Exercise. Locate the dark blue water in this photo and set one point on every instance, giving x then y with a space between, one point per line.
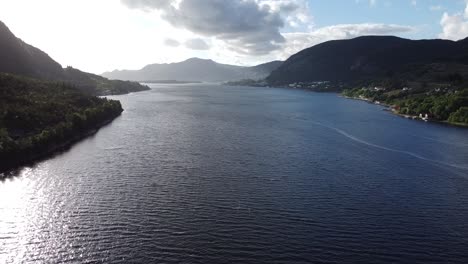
212 174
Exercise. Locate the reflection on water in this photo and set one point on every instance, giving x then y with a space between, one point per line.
21 209
212 174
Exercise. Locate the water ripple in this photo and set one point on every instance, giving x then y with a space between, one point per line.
225 175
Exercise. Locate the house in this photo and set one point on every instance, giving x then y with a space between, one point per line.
426 117
379 89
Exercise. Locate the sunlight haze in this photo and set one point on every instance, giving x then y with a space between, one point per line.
104 35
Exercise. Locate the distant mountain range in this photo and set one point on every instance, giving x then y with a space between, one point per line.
362 58
18 57
370 57
195 69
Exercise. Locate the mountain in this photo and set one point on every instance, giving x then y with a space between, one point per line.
21 58
98 85
195 69
366 57
264 69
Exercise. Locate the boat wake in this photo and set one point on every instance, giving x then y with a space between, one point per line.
458 144
113 148
344 133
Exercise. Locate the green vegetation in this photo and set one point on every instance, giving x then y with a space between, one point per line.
460 116
39 117
247 82
448 103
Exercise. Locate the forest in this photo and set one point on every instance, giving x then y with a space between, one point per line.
39 117
447 104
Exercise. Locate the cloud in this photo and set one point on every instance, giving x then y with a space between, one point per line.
250 29
171 42
294 12
454 27
296 42
147 5
436 8
197 44
248 26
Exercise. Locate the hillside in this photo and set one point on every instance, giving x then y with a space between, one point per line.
98 85
21 58
368 57
39 117
446 104
420 79
195 69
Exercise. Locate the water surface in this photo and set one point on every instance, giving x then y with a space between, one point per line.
214 174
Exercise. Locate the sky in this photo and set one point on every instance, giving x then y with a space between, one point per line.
104 35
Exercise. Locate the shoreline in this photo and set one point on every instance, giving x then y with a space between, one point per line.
389 108
52 150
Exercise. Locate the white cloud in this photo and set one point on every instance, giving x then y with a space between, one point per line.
455 26
197 44
296 13
466 10
436 8
171 42
246 26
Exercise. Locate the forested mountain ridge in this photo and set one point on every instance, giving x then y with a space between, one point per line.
421 79
18 57
368 57
40 117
